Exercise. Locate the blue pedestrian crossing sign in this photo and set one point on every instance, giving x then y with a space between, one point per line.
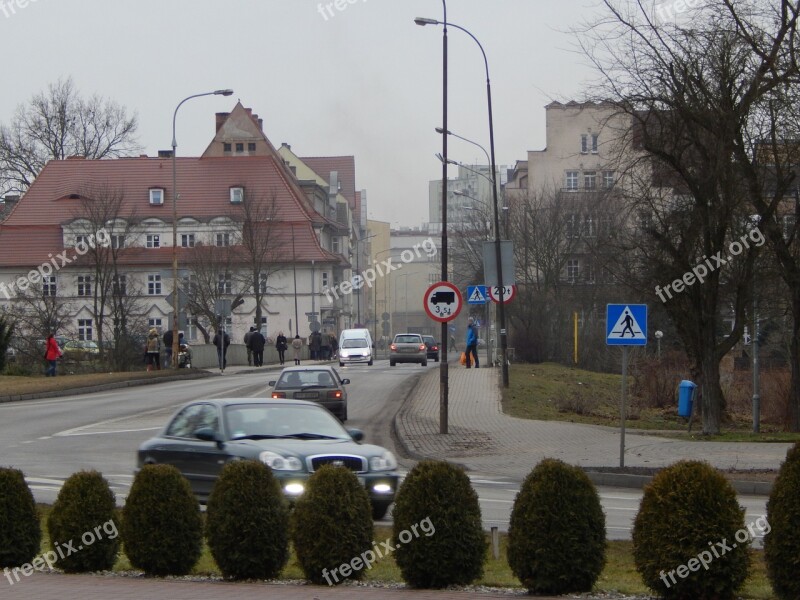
477 294
626 324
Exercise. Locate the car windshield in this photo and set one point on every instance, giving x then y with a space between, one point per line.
407 339
355 343
290 380
270 421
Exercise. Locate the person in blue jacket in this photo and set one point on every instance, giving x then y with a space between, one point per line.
472 343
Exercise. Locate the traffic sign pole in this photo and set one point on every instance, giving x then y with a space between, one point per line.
622 406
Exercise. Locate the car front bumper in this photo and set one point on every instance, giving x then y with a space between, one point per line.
381 486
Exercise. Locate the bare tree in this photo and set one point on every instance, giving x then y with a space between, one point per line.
59 123
210 278
37 311
692 92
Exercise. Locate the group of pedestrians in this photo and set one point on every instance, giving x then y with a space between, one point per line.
255 342
322 346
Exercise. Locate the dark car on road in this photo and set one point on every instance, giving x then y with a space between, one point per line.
293 437
320 384
433 347
408 347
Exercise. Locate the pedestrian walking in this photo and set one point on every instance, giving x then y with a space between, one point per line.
297 344
257 343
247 337
222 340
315 343
153 350
325 347
52 352
167 339
281 345
334 346
472 343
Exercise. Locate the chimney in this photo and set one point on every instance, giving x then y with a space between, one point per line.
143 156
285 145
261 125
221 117
76 157
165 154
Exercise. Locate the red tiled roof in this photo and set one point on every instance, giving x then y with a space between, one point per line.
345 166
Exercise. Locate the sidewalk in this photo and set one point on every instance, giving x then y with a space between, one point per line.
486 441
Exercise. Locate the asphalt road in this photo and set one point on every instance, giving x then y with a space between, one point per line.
53 438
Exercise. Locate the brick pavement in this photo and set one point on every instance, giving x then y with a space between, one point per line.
486 441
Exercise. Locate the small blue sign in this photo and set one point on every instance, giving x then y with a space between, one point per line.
477 294
626 324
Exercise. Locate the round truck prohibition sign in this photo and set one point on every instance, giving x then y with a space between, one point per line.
443 301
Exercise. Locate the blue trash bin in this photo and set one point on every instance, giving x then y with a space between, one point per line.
685 398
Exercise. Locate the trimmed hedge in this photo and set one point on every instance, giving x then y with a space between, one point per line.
451 548
557 535
20 533
84 515
782 539
162 531
247 522
687 536
331 526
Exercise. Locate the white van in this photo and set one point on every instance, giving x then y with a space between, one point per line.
355 346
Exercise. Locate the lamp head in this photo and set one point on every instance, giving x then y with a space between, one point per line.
422 21
227 92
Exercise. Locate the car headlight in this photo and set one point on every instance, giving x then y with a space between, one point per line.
384 462
276 462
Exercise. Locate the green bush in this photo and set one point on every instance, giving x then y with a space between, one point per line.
331 526
162 531
20 534
247 522
687 537
557 534
438 496
782 526
84 515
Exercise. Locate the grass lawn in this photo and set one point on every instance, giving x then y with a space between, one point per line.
618 576
552 392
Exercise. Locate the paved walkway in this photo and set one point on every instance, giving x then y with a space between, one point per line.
485 440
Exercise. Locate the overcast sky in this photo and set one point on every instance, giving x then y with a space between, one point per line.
364 80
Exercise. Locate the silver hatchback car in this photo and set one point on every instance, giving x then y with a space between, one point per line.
408 347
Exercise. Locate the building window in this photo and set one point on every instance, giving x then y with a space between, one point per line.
240 147
85 329
572 180
608 179
584 143
263 328
84 285
120 285
589 180
117 241
325 280
225 284
251 146
82 240
336 245
589 226
49 285
237 195
156 196
595 137
187 240
154 322
154 285
226 147
571 226
222 239
262 283
589 273
153 240
572 270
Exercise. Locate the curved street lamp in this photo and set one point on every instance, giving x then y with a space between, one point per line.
175 301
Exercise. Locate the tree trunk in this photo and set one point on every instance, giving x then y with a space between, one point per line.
794 356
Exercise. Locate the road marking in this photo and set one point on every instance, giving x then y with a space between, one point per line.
78 430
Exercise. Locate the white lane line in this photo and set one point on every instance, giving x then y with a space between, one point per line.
75 430
159 428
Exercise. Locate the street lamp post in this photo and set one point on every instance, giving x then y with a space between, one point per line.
358 274
501 303
175 301
444 386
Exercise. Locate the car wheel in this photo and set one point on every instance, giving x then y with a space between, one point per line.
436 358
391 363
343 416
379 511
369 364
341 364
424 363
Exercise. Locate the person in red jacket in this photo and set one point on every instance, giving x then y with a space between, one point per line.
51 354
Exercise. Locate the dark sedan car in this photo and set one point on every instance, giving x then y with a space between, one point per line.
293 437
433 347
321 384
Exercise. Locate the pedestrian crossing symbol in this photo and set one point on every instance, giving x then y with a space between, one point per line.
476 294
626 324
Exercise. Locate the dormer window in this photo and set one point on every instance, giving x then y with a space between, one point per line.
237 195
156 196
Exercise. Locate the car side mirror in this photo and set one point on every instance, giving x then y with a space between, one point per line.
271 383
345 381
207 434
356 434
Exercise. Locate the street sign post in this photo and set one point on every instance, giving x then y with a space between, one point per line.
626 325
477 294
443 302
